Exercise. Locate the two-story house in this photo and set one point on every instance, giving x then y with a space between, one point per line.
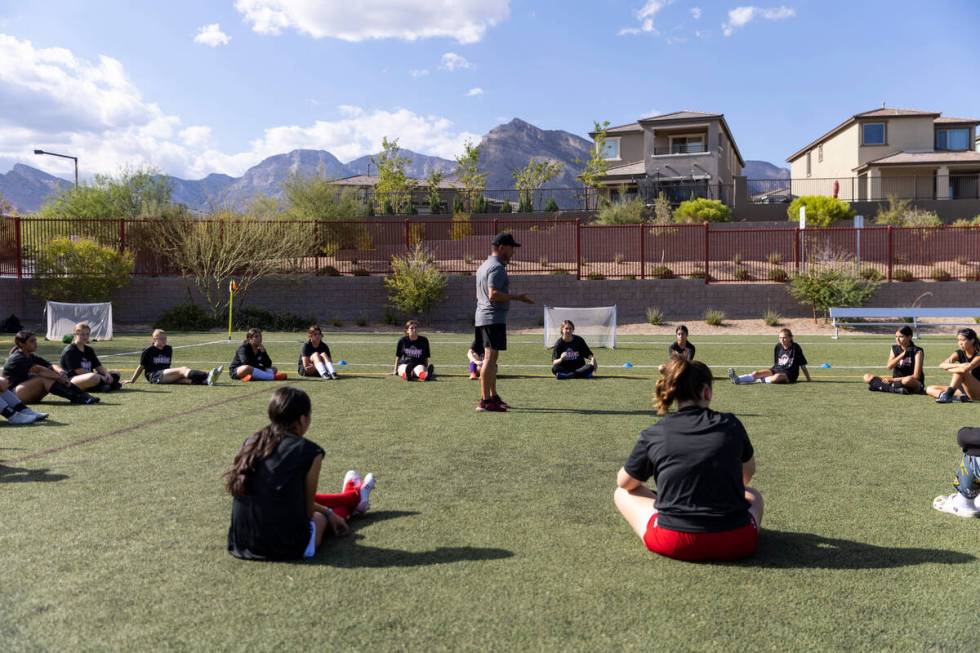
682 154
904 153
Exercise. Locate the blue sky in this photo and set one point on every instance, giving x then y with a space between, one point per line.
198 87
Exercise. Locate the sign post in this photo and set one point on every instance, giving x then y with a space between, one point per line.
858 226
803 238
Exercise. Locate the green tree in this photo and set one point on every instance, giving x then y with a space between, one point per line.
315 198
531 177
432 181
141 193
6 208
393 192
822 288
80 270
596 167
469 176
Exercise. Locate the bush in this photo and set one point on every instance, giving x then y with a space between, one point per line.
714 318
771 318
821 289
506 207
461 226
360 272
329 271
972 275
557 271
552 206
186 317
821 210
248 317
627 212
778 275
697 275
702 210
595 276
415 283
661 272
655 316
901 274
939 274
742 274
737 259
871 274
80 270
662 211
901 213
775 258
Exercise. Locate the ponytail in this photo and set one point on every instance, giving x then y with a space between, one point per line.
19 339
682 380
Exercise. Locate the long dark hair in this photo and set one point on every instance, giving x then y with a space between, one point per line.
254 331
19 339
288 404
682 380
970 335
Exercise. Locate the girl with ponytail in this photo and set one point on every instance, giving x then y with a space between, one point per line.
964 365
32 378
701 462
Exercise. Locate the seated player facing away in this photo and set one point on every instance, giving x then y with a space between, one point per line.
905 362
252 362
314 357
680 348
276 513
155 364
475 357
571 357
702 462
964 364
32 378
965 502
82 365
412 355
787 361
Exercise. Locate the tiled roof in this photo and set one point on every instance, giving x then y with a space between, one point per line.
637 168
951 120
888 112
680 115
883 112
623 129
931 158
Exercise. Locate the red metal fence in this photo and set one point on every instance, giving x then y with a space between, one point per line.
552 246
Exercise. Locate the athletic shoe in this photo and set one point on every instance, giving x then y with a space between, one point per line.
333 377
366 488
246 378
944 398
38 416
281 376
423 375
20 417
404 376
351 480
963 399
899 390
563 376
474 376
732 376
214 374
481 406
956 504
497 400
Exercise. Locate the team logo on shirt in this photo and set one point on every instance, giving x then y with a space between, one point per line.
87 365
161 360
571 354
413 352
785 360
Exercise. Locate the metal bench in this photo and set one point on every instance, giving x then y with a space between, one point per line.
837 315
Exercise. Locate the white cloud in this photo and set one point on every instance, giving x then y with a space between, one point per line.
452 61
53 100
466 21
211 35
473 92
418 72
742 16
646 15
696 13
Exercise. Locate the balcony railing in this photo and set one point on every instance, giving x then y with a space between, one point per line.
862 189
678 148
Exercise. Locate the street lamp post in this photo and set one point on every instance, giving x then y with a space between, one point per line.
63 156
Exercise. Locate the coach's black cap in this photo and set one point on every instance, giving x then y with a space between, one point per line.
505 239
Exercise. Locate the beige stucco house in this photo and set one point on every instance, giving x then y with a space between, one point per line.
905 153
682 154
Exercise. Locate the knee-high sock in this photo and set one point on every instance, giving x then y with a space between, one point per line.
584 371
343 503
329 367
12 400
263 375
320 367
6 408
746 378
197 377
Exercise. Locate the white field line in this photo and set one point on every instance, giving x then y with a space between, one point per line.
134 353
544 365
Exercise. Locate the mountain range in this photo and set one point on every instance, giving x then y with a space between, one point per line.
504 148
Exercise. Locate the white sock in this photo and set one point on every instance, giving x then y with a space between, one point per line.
765 380
418 370
318 364
746 378
262 375
329 367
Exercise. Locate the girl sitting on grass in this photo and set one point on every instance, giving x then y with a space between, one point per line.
571 357
965 502
314 357
252 362
32 378
964 364
680 348
475 357
276 513
787 361
82 365
702 462
412 355
155 365
905 362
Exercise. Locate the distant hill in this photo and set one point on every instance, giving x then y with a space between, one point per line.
419 165
758 171
26 188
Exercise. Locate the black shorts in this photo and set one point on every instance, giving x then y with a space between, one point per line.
790 375
302 370
155 377
233 372
493 336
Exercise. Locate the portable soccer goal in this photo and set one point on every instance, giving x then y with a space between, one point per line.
62 318
596 324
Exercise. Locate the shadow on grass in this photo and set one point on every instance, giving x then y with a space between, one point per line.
583 411
789 550
24 475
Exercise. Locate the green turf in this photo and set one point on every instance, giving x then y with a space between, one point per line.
488 532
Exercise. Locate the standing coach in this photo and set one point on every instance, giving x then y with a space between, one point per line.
492 302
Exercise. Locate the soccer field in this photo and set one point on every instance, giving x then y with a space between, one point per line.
487 531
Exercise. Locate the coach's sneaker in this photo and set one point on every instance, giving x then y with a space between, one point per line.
21 417
732 376
944 397
499 401
351 480
956 504
214 374
281 376
366 488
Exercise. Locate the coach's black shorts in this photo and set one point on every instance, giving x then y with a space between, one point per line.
493 336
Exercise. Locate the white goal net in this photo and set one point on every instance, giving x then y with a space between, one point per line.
596 324
63 317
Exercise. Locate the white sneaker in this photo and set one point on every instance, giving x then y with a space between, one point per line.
956 504
366 487
37 416
22 417
351 475
214 374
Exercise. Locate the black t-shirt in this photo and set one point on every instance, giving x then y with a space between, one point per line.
412 352
72 359
963 359
17 369
308 350
696 457
245 355
269 522
154 360
788 361
577 350
676 350
906 364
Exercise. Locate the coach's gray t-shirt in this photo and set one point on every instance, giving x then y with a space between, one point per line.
492 274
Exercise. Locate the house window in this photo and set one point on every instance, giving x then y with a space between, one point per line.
687 144
610 149
807 164
820 153
873 133
953 139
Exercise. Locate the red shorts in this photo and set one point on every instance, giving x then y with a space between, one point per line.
733 544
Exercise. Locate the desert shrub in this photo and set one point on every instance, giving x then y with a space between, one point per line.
972 275
702 210
506 207
461 226
415 283
961 260
618 259
771 318
558 271
901 213
965 222
80 270
360 272
389 317
737 259
871 274
742 274
186 317
655 316
543 261
901 274
778 275
248 317
775 258
822 288
552 205
629 277
939 274
662 211
697 275
714 317
662 272
595 276
625 212
821 210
